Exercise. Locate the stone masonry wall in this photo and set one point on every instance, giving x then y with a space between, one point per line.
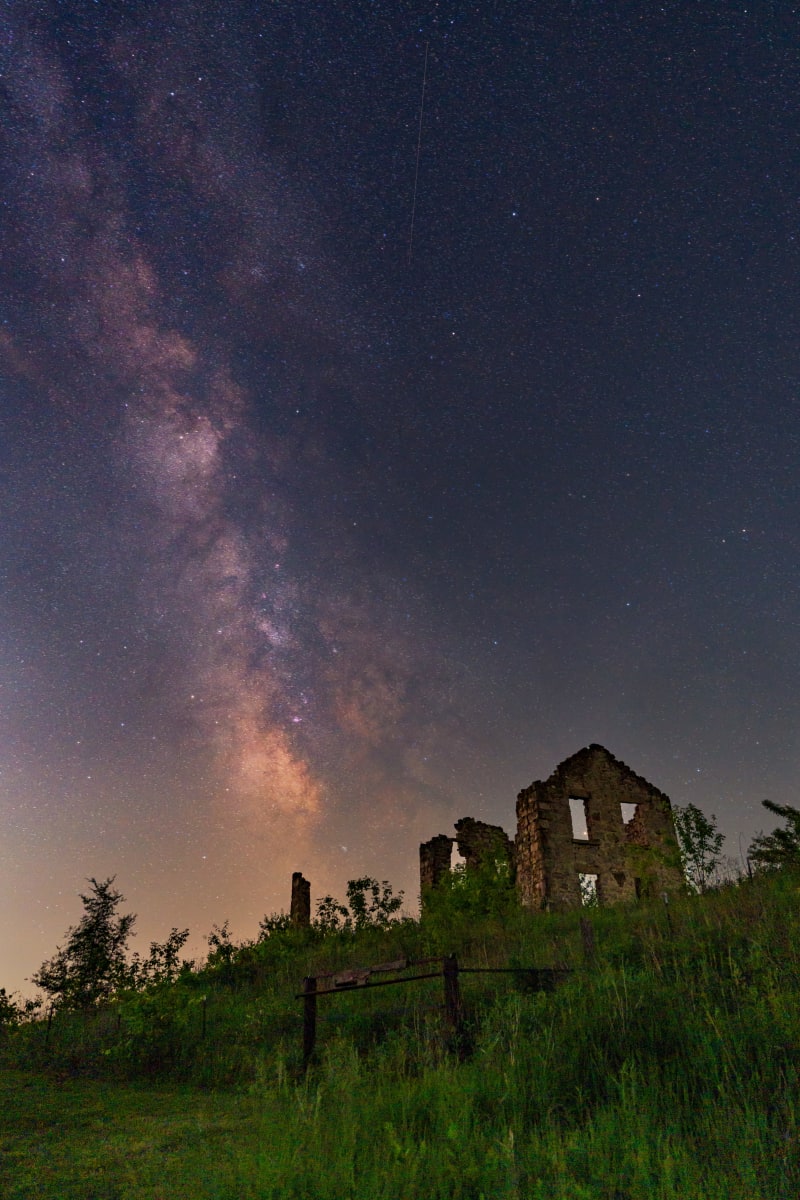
300 910
479 843
627 859
434 860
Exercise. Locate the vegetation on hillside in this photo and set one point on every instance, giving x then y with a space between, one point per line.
666 1065
780 848
700 844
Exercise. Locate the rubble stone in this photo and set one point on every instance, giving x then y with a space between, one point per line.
628 859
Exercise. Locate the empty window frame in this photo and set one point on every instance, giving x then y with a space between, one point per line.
580 825
588 886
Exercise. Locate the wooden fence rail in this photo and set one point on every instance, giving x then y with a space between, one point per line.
449 970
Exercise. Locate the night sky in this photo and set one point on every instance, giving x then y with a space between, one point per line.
316 536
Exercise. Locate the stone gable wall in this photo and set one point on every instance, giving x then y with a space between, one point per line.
629 859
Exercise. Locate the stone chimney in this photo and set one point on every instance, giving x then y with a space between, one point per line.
300 911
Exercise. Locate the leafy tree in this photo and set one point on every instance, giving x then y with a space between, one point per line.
9 1012
221 945
781 848
472 892
14 1012
92 964
331 915
371 903
163 964
273 923
700 845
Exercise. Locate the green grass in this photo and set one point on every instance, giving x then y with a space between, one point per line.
360 1130
669 1069
81 1140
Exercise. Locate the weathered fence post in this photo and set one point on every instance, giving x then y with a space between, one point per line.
454 1009
309 1018
358 979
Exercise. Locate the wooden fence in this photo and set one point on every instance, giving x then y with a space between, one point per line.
448 969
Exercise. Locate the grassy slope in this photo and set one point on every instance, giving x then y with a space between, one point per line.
76 1139
669 1070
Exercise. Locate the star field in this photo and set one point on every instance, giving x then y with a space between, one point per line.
313 540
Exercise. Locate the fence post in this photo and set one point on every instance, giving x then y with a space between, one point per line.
454 1010
309 1018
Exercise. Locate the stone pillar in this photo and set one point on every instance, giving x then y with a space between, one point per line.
300 911
434 860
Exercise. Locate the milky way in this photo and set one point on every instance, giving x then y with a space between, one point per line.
311 546
279 685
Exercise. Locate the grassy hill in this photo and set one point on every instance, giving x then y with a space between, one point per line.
665 1065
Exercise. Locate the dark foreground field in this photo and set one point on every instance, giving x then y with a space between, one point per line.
664 1068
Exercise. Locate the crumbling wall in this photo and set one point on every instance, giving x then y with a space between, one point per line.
300 910
434 860
627 859
480 844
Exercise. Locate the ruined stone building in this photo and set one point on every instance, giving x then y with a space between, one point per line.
300 911
593 827
594 817
477 843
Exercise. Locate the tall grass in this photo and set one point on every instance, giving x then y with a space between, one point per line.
668 1067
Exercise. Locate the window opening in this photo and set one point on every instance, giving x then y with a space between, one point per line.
456 859
580 828
588 886
628 813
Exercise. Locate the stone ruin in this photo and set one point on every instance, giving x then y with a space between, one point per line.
593 827
477 843
300 909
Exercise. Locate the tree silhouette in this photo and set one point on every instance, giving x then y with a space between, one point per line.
700 845
371 903
92 964
781 848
